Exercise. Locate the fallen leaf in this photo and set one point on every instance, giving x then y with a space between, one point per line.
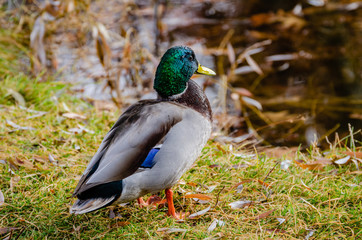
5 230
252 102
23 163
39 114
354 154
72 115
2 198
240 204
199 196
253 64
263 183
52 160
211 188
199 213
309 234
171 230
264 215
214 224
80 129
280 220
243 92
17 127
284 165
231 53
17 96
343 161
40 159
214 166
192 184
243 70
311 166
276 230
111 213
242 182
239 188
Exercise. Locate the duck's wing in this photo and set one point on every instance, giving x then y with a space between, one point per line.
127 144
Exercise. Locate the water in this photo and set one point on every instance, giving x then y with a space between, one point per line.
311 83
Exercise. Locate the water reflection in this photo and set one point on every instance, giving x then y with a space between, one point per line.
306 75
311 71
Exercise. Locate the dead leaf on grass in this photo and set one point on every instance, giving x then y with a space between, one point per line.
120 224
16 126
22 163
241 204
211 188
111 213
199 196
239 188
252 102
343 161
199 213
253 64
214 166
52 160
72 115
242 182
80 129
40 159
281 220
171 230
2 198
192 184
5 230
214 224
284 165
309 234
231 53
311 166
354 154
17 96
263 183
264 215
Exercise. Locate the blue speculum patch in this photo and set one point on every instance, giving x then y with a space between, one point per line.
148 162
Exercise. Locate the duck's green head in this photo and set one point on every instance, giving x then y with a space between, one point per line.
177 66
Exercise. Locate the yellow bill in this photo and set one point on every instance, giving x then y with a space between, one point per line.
204 70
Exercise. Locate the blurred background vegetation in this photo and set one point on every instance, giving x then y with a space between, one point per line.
289 72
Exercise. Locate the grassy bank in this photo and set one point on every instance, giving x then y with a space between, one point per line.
47 137
37 187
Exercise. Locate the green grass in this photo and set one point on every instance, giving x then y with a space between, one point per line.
37 193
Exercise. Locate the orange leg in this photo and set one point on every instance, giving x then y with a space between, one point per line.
171 207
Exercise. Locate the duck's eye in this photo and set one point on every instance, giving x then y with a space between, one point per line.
191 58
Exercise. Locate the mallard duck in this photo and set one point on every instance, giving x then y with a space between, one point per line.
153 142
